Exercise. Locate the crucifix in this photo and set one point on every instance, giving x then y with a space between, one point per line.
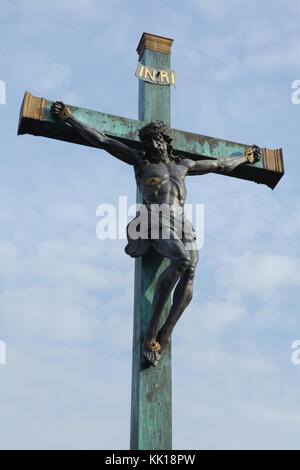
161 158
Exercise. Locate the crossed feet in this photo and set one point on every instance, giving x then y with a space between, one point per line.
152 351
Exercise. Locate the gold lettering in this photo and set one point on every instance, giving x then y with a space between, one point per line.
141 70
148 72
173 78
164 76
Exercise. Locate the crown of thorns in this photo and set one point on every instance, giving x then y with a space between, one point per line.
153 129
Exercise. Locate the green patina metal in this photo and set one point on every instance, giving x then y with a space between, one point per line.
151 398
188 144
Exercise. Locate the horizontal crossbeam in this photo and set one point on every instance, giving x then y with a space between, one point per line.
36 119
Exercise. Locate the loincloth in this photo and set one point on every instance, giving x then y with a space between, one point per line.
159 226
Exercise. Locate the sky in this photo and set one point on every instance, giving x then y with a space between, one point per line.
66 297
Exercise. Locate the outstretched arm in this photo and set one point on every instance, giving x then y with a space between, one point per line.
94 136
223 165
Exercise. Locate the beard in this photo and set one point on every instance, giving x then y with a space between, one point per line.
159 157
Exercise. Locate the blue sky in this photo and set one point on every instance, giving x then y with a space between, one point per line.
66 297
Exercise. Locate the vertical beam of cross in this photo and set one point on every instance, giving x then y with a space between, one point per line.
151 398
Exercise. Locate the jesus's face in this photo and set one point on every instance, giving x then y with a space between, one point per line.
156 148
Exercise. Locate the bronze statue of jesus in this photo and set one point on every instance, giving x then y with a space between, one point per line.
160 178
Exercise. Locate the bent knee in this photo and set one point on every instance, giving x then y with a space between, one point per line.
190 271
183 263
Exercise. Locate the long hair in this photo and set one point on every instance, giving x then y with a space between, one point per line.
159 128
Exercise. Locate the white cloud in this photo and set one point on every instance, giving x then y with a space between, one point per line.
260 274
36 71
61 392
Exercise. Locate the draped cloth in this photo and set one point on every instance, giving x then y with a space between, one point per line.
162 223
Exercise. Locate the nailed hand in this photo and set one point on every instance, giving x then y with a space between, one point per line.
60 111
253 154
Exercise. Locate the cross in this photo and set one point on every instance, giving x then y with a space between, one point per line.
151 408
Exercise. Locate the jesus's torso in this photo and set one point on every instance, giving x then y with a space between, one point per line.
162 183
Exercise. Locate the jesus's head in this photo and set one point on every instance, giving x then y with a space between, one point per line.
156 142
